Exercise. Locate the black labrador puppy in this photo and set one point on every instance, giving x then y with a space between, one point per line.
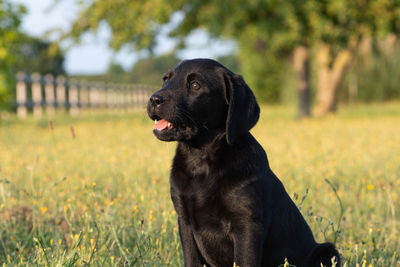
232 209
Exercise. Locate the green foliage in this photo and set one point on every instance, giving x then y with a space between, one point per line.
10 19
115 72
266 31
147 71
30 54
265 77
216 16
151 70
231 62
37 55
133 22
376 78
19 52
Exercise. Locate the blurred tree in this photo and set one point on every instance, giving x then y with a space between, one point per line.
146 18
115 72
263 29
231 62
150 70
20 52
147 71
10 19
36 55
375 76
344 27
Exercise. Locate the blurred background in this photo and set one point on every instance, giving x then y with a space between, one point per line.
83 182
314 55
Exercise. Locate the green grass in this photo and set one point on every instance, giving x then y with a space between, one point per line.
102 198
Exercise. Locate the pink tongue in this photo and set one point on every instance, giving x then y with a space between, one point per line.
161 125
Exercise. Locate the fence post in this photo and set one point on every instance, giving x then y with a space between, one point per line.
84 95
21 95
126 97
73 98
60 92
120 97
93 95
130 97
36 95
102 94
49 94
107 95
110 96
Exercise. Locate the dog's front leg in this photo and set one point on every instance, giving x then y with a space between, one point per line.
191 253
248 245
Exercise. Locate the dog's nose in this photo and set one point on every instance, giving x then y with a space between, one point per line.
156 100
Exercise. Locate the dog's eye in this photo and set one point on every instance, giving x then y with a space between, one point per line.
195 86
165 78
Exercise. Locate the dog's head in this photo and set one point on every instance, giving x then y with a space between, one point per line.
199 99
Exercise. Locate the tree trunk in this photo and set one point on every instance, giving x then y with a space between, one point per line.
387 45
301 61
330 75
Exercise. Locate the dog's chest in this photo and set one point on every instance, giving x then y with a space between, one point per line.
203 205
201 201
197 166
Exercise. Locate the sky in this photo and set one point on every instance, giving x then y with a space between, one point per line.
92 55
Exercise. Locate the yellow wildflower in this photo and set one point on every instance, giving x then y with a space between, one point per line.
43 209
370 187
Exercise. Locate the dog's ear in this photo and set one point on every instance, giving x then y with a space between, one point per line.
243 110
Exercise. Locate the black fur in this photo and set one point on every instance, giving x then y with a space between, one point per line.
231 206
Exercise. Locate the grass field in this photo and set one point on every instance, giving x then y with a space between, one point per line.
94 190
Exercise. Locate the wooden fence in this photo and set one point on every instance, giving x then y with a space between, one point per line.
48 94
